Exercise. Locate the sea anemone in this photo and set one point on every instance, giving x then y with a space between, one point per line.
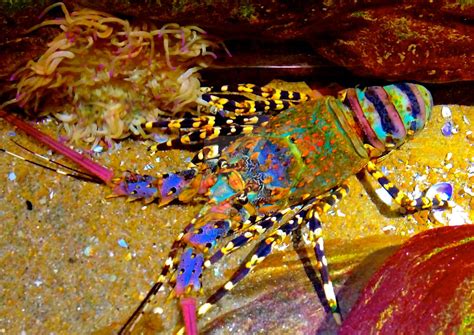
103 77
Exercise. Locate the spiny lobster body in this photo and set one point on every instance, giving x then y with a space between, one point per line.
299 153
276 179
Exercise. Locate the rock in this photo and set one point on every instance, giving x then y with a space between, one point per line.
409 40
424 288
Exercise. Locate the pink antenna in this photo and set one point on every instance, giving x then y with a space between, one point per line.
87 164
188 308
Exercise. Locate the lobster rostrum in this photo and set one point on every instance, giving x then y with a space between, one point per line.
280 177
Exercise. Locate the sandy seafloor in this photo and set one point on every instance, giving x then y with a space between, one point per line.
76 263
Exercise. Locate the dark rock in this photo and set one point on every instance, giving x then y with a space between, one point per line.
428 41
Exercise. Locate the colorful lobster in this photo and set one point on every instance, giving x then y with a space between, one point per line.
278 178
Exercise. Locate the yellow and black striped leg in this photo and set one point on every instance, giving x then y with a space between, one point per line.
199 137
401 198
169 268
251 229
205 155
204 122
246 107
315 237
273 100
263 91
259 253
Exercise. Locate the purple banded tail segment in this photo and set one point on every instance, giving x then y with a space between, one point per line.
389 115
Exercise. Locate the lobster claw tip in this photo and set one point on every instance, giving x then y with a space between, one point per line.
188 308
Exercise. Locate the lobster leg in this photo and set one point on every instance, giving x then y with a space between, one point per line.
263 91
259 253
401 198
316 240
197 123
310 214
172 263
170 266
273 99
208 127
199 136
256 227
260 225
246 107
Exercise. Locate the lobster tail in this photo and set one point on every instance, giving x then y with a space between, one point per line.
389 115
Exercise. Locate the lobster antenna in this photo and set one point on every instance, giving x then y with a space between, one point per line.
83 176
49 160
87 164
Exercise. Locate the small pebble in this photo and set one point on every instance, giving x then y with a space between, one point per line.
388 228
148 167
340 213
158 310
122 243
444 189
446 130
468 190
217 272
87 251
470 136
11 176
98 149
29 205
448 166
160 138
446 112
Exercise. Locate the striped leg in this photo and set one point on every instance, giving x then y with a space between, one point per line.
246 107
263 91
195 137
274 100
169 268
167 275
259 253
316 240
257 226
210 153
401 198
264 248
204 121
